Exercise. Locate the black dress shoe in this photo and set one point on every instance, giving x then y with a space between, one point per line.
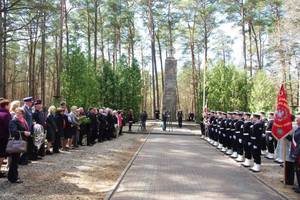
17 181
90 144
2 175
48 153
28 161
56 151
94 142
39 158
33 159
23 163
297 190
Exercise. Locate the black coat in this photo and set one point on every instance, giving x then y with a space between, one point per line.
102 121
93 123
15 128
111 122
68 128
39 117
51 127
59 121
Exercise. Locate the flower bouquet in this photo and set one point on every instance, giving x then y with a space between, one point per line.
84 120
38 135
117 131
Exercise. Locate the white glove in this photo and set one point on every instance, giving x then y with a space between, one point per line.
234 137
212 129
264 135
254 147
249 143
229 137
270 138
224 135
219 132
240 141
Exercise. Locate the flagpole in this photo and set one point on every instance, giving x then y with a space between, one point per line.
204 83
284 165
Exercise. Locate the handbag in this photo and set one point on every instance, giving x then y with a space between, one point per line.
16 146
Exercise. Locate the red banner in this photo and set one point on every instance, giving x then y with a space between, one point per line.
282 122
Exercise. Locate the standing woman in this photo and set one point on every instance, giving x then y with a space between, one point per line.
59 121
76 126
179 115
111 124
13 106
5 118
68 130
51 128
17 126
130 118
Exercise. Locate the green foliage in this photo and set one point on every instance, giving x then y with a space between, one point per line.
79 81
264 92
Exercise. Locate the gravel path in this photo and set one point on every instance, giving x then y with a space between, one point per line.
84 173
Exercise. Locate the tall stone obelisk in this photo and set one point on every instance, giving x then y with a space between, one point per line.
169 95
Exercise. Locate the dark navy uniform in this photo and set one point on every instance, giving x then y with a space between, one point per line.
211 127
222 131
271 142
228 133
263 136
232 130
246 134
256 135
238 135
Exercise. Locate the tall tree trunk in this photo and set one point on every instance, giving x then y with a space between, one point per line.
102 37
89 34
115 49
119 41
257 47
30 59
151 33
4 48
95 35
156 76
33 87
192 44
243 33
60 48
43 56
161 62
250 49
67 29
1 65
170 24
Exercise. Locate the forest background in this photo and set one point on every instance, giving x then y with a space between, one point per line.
94 53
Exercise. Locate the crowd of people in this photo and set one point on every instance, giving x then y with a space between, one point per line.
63 130
243 137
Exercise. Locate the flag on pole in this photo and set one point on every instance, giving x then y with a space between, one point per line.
282 122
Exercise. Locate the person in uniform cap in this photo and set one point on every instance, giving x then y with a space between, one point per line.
238 140
39 118
228 133
225 134
218 132
215 132
28 102
222 135
232 134
264 121
211 130
256 134
271 142
246 133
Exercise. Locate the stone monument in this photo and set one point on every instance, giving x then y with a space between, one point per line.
169 95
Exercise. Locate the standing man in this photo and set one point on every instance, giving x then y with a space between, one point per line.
179 115
143 118
238 140
89 127
263 120
156 112
28 117
212 127
271 142
226 145
39 118
222 134
232 136
246 134
296 152
102 127
256 135
164 119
